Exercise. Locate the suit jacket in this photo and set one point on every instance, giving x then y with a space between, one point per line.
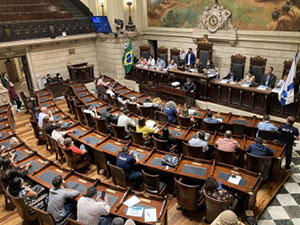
189 86
272 80
236 77
192 60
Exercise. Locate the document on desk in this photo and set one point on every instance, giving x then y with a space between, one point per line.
234 179
150 123
191 111
276 90
224 81
135 211
262 87
132 201
150 215
246 85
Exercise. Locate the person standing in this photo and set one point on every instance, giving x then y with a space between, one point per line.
190 58
14 96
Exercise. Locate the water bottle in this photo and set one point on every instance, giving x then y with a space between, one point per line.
219 185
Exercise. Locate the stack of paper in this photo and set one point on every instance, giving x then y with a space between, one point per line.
150 215
245 85
276 90
132 201
262 87
191 111
224 81
135 211
234 179
150 123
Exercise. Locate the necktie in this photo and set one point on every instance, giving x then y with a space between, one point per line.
267 81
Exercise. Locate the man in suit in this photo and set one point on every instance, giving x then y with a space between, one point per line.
190 58
269 78
4 80
232 76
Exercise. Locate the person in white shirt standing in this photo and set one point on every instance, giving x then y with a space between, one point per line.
91 209
44 112
58 135
125 121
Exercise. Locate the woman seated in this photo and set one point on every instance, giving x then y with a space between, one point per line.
199 66
171 111
210 64
142 61
101 81
250 78
212 189
142 128
167 137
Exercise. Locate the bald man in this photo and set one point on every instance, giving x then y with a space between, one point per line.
44 112
227 144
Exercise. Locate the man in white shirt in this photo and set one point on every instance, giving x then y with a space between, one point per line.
58 135
125 121
151 61
91 209
198 141
44 112
282 81
110 92
148 103
92 111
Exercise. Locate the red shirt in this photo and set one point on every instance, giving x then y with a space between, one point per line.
75 150
12 92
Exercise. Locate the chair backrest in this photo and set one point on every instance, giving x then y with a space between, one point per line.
238 128
195 152
204 50
110 100
259 164
187 195
238 64
175 54
57 148
137 137
184 121
118 176
147 112
160 144
119 131
36 129
225 157
162 52
210 126
90 120
70 158
100 160
214 207
101 125
268 135
151 182
145 51
44 217
132 107
72 105
79 113
161 116
258 66
73 222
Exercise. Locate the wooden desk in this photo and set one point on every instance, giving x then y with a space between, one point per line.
142 151
87 99
77 131
43 99
42 93
177 95
78 89
6 132
58 116
46 104
82 94
132 94
54 109
123 91
112 146
5 124
177 132
192 133
103 108
76 84
92 138
96 103
3 116
22 152
57 88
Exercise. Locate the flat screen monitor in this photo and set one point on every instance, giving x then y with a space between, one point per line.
101 24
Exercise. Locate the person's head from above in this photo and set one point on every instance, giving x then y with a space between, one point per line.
209 114
108 109
228 134
68 142
117 221
15 185
266 118
275 15
57 181
232 72
58 75
148 99
10 84
227 217
259 140
13 142
166 132
172 62
284 78
57 126
142 122
48 75
5 74
44 109
209 62
250 73
285 9
91 192
158 58
290 120
188 80
200 135
171 104
270 70
125 149
190 50
211 184
133 99
185 112
126 112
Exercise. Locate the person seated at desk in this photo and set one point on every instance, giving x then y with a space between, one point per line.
160 63
189 86
227 217
58 135
108 117
250 78
101 82
142 61
266 125
227 144
58 195
151 61
133 100
269 78
259 149
126 160
210 119
190 58
172 65
48 125
44 112
210 65
232 76
282 81
92 111
125 121
199 66
148 103
59 77
110 92
198 141
142 128
185 113
92 209
49 79
171 111
122 101
211 188
167 137
69 145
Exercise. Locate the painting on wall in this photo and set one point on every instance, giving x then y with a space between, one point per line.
273 15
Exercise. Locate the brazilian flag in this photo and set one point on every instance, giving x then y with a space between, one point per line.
128 58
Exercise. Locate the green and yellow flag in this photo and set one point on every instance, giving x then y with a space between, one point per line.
128 58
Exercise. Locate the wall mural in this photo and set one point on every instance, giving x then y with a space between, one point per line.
273 15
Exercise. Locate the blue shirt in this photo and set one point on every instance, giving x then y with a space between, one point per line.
260 150
161 63
172 113
266 126
125 162
287 134
210 120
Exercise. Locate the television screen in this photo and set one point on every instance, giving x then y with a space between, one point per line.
101 24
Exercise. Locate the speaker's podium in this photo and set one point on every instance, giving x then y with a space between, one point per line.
82 72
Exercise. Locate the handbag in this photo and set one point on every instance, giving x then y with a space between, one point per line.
170 160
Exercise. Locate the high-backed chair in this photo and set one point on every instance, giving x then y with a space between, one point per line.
238 128
37 132
238 64
46 138
147 112
162 145
58 151
110 100
152 184
145 51
25 100
175 54
184 121
132 108
162 52
204 50
214 207
192 151
118 176
101 162
74 161
101 125
161 116
268 135
210 126
187 196
90 120
259 164
119 131
258 66
225 157
3 191
79 113
46 218
137 137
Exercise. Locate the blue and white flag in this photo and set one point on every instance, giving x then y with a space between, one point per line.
286 93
